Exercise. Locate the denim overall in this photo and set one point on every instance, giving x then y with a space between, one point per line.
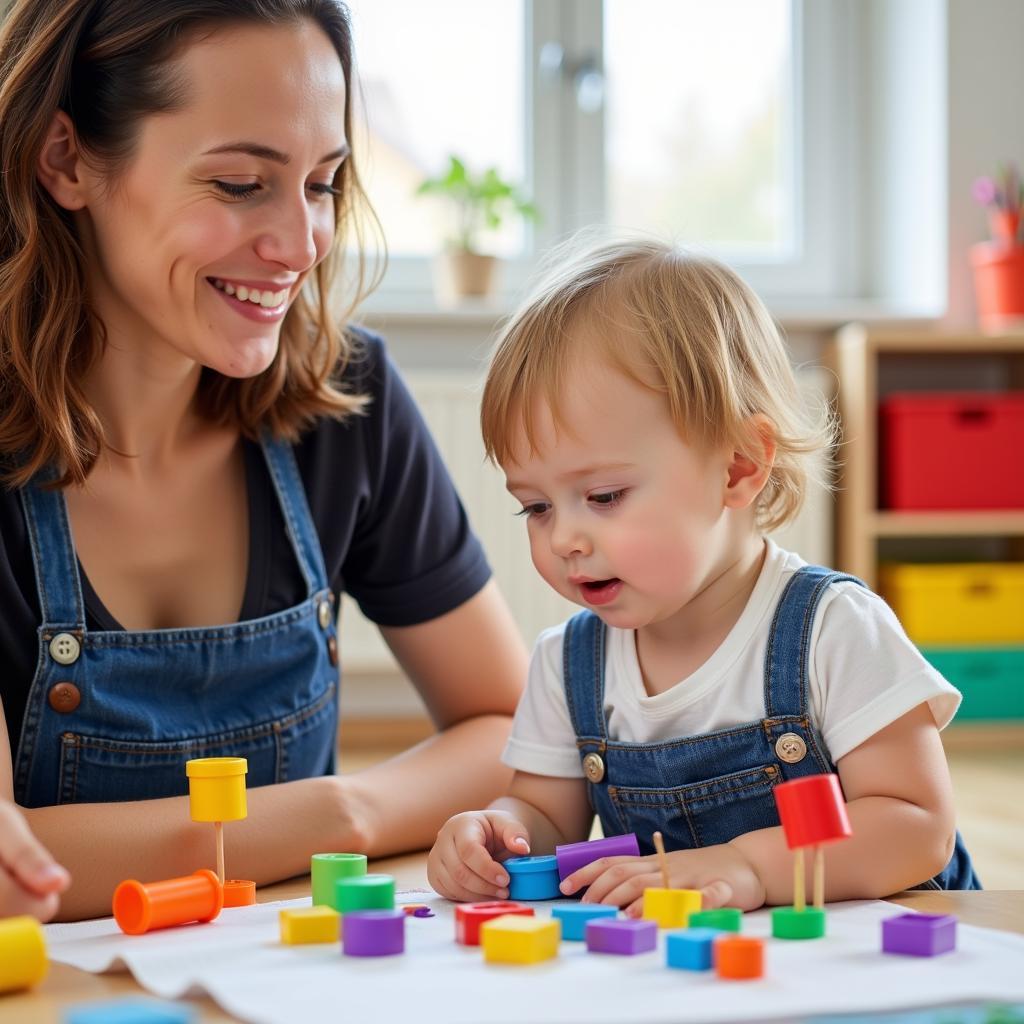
708 789
114 715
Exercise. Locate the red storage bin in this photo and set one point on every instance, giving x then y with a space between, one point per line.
952 450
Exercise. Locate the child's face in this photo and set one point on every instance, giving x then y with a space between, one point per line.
624 517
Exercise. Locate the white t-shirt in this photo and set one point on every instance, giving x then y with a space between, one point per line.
864 674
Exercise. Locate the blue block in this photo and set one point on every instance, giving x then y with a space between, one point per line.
575 916
532 878
690 948
131 1011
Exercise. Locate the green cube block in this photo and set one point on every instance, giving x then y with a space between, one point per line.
790 923
724 919
326 869
370 892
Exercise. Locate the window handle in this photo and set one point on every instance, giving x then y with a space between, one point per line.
585 74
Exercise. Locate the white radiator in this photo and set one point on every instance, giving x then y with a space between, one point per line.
449 403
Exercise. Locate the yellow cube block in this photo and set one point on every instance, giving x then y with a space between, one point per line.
515 939
671 908
306 925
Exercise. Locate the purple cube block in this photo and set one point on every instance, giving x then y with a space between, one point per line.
373 932
573 856
919 934
628 936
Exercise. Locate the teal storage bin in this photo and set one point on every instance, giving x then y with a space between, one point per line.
990 678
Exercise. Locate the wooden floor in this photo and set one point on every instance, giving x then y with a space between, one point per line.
988 787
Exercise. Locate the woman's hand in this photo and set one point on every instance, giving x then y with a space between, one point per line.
30 879
722 873
464 862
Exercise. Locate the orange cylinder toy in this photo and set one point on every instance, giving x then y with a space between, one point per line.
142 908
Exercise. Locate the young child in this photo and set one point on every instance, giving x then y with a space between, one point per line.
644 411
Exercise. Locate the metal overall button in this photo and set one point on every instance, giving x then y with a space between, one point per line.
64 697
791 748
65 649
323 614
593 767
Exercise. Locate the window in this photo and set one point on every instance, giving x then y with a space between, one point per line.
720 125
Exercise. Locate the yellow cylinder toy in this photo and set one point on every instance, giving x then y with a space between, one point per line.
22 953
216 788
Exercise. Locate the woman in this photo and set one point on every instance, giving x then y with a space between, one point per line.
197 460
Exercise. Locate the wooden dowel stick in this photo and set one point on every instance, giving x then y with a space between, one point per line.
662 860
799 894
819 877
218 829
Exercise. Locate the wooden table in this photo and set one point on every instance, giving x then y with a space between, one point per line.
65 986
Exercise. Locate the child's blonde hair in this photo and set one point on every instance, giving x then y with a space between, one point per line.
686 326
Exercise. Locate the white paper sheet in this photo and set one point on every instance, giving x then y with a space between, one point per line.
240 963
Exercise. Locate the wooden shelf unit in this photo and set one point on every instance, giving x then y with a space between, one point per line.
858 356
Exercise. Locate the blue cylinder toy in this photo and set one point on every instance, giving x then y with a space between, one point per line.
532 878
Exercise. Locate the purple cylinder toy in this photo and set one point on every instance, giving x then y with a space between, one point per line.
373 933
573 856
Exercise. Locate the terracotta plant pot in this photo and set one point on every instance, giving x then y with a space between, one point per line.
463 274
998 284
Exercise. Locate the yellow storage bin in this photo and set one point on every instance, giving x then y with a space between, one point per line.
968 603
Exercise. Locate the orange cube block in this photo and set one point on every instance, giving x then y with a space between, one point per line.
739 956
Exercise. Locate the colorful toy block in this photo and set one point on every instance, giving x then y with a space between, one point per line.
690 949
365 892
373 933
738 957
417 910
326 869
216 792
919 934
724 919
239 892
573 856
574 918
306 925
790 923
516 939
533 878
626 936
22 953
139 908
470 916
671 908
131 1011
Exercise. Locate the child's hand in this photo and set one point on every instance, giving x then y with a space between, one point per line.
30 879
464 863
722 873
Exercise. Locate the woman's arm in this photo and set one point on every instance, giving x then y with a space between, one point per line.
469 666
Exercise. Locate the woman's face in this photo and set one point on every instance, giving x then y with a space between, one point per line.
203 241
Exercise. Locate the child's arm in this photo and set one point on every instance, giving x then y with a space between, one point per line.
538 813
899 800
30 879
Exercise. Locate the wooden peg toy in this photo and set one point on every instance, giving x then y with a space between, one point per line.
813 812
668 907
216 792
22 953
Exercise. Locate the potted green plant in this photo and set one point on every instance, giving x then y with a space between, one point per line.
481 203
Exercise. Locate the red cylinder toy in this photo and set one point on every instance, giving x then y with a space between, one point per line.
812 811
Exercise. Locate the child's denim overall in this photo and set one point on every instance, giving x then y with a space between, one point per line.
115 715
708 789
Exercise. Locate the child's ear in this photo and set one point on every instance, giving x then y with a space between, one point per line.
747 476
59 165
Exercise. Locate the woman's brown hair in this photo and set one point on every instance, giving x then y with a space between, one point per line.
107 64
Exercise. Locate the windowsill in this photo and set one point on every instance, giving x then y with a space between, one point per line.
825 316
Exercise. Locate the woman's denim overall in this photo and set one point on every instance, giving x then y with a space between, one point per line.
140 704
708 789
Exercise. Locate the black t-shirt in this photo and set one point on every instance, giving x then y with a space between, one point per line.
393 532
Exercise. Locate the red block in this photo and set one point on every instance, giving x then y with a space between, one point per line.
469 917
812 811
